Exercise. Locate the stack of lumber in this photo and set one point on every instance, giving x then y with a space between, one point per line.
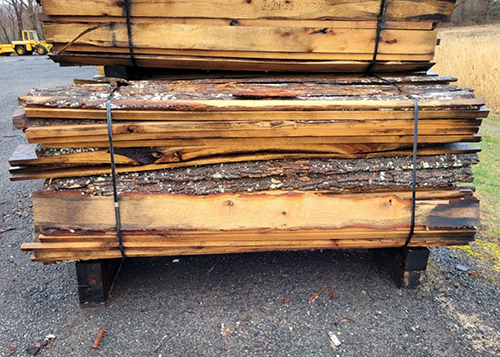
225 165
210 121
71 225
247 35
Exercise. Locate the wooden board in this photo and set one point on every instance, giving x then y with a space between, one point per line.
226 238
229 38
112 252
333 24
402 141
396 10
236 64
257 211
379 174
235 129
26 155
254 105
150 115
80 48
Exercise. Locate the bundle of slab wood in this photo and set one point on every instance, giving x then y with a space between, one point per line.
262 163
246 161
249 35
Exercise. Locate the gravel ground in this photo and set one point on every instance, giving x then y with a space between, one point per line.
229 305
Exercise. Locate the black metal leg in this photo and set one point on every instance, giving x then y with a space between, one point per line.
95 278
404 265
117 72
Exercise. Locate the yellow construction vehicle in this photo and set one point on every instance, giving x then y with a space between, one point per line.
6 50
30 43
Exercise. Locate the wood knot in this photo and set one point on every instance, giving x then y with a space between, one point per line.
323 31
229 203
178 156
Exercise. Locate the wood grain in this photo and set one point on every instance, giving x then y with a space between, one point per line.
260 211
408 10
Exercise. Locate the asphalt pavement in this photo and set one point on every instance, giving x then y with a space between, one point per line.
228 305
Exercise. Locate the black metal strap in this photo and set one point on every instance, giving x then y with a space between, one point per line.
414 178
129 33
415 152
113 177
380 25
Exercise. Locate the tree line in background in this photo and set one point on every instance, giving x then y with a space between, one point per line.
469 12
18 15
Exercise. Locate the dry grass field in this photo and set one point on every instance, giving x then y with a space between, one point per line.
472 54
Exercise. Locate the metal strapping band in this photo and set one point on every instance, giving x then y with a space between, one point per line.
415 149
129 33
380 24
113 177
414 177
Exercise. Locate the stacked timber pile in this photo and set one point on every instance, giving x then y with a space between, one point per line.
221 165
259 35
244 163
